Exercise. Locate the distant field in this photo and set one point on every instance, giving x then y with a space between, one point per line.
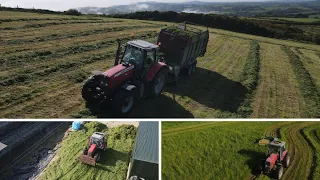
45 59
229 150
301 19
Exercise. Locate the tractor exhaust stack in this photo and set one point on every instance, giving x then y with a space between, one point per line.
116 61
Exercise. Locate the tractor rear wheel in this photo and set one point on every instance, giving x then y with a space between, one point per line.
286 161
123 102
158 82
279 172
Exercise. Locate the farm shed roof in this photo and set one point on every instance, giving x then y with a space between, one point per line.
147 142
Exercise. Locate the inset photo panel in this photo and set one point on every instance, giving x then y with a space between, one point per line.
240 150
116 150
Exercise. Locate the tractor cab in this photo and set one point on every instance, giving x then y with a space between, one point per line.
98 139
276 147
141 54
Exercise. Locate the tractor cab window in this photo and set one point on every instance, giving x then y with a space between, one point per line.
133 55
94 141
274 149
151 57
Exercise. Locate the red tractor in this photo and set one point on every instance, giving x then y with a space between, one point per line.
139 73
277 158
143 69
92 153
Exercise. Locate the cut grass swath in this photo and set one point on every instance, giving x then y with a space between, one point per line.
250 78
72 35
56 23
307 86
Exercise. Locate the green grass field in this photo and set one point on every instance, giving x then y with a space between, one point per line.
114 162
229 150
45 59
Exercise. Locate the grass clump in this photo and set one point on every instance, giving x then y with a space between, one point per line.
113 164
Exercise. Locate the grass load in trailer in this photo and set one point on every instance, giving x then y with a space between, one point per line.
181 46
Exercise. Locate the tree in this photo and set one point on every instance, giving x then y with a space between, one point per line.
73 12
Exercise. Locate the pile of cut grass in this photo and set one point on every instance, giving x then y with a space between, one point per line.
179 32
113 164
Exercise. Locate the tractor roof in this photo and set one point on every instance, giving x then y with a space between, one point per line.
143 44
277 143
98 135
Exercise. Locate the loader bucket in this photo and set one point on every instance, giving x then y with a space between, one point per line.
85 159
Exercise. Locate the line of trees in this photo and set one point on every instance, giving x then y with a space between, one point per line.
243 25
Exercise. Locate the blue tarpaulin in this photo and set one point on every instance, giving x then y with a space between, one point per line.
76 125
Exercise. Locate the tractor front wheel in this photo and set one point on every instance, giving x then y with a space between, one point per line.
286 161
85 152
123 102
279 171
97 157
158 82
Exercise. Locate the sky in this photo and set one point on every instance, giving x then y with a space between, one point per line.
61 5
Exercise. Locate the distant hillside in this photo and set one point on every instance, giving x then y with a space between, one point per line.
267 27
270 8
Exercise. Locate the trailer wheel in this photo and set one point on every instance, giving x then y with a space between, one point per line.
158 82
123 102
